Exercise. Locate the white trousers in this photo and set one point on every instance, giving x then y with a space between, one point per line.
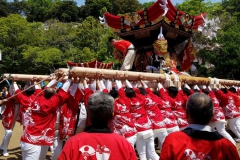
220 126
5 141
161 137
33 152
234 125
57 146
173 129
128 61
146 144
132 140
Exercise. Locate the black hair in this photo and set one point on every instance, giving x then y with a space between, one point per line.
30 91
142 91
225 90
114 93
173 91
129 92
232 89
49 92
110 39
196 91
206 91
200 108
187 91
156 93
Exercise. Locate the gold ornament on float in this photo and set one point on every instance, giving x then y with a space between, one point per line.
160 45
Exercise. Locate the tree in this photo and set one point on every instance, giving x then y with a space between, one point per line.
147 4
66 11
93 8
232 7
226 58
196 7
39 10
18 7
4 8
125 6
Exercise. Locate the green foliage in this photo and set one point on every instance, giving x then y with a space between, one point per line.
196 7
232 7
227 57
147 4
39 10
4 10
125 6
65 11
94 7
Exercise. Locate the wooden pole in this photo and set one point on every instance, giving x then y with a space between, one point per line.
25 77
134 76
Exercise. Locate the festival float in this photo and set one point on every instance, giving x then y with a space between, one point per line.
161 29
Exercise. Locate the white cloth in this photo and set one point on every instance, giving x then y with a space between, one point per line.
200 127
57 146
129 59
220 126
173 129
82 120
161 137
234 125
132 140
5 141
33 152
146 144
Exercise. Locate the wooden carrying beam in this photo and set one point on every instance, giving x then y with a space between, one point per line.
134 76
25 77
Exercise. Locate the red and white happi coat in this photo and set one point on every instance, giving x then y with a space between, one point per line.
10 114
68 115
153 112
40 123
122 122
228 105
166 109
138 113
25 102
218 112
178 109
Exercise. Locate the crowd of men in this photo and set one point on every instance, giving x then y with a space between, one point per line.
136 112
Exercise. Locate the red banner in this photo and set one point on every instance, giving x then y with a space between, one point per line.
185 57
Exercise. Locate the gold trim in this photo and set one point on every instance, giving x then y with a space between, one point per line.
100 66
166 20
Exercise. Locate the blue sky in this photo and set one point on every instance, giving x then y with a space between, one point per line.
81 2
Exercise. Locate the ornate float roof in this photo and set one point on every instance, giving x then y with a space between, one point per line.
93 64
144 24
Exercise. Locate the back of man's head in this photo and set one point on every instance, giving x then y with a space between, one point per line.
206 91
110 39
100 109
114 93
173 91
199 109
142 91
232 89
130 93
225 90
49 92
30 91
187 91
